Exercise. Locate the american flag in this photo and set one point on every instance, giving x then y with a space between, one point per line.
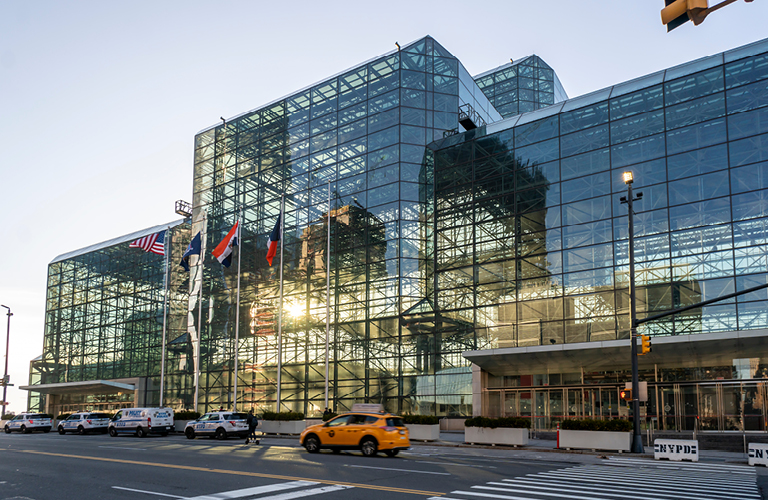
154 243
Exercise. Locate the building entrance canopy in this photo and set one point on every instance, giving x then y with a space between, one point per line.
682 351
84 387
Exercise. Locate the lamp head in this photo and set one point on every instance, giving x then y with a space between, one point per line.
627 177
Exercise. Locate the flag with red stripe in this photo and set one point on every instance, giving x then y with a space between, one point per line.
154 243
274 237
223 251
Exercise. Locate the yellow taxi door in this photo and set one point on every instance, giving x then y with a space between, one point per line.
334 431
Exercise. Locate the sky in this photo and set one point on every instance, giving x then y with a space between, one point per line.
100 101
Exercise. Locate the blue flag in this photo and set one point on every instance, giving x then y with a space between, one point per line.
192 249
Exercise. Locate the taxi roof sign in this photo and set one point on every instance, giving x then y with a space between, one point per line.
368 407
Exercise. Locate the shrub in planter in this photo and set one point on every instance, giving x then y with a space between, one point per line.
283 416
8 416
588 424
63 416
329 415
420 420
186 415
493 423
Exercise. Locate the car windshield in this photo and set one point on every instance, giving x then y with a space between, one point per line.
395 422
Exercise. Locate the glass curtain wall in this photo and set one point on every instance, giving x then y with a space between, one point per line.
363 132
521 86
104 319
530 238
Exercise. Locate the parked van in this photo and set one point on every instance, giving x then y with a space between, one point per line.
142 421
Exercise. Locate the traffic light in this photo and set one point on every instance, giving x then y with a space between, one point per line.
678 12
645 346
626 394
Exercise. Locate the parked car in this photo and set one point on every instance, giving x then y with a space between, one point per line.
218 424
85 422
367 432
28 422
142 421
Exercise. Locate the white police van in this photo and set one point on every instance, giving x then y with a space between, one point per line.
28 422
218 424
142 421
86 422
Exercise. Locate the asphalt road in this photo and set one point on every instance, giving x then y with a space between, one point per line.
50 466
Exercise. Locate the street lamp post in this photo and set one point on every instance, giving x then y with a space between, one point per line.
5 374
637 438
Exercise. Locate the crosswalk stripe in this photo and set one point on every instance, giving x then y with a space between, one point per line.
696 465
691 484
605 478
665 477
616 491
307 493
254 491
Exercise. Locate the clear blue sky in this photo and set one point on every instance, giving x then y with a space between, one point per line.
100 101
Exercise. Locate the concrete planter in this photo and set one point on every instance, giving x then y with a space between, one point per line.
499 435
596 440
418 432
282 426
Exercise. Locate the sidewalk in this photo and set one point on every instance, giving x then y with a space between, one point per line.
456 439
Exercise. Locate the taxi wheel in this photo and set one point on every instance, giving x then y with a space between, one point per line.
112 432
312 444
190 433
81 430
369 447
61 430
221 434
24 429
140 432
7 430
392 453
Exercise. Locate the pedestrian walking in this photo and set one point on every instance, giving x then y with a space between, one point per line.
253 422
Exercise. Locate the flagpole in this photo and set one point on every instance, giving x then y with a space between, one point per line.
327 294
280 311
200 268
166 248
237 311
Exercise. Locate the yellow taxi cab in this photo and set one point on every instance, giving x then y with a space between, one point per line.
367 431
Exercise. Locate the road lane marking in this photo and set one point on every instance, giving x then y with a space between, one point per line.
306 493
230 472
451 464
256 490
147 492
121 448
398 470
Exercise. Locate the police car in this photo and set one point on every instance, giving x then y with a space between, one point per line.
86 422
218 424
142 421
28 422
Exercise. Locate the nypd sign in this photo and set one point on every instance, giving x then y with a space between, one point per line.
676 449
758 454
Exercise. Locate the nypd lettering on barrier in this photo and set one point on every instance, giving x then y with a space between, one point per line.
676 449
758 454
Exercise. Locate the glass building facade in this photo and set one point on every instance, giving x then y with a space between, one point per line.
475 246
521 86
104 321
531 243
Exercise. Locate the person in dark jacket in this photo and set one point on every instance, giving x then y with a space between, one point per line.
253 422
